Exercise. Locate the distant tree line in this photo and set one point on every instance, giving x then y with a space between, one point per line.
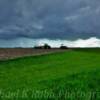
46 46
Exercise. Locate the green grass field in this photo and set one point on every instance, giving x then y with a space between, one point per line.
70 75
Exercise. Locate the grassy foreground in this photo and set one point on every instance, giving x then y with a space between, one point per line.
70 75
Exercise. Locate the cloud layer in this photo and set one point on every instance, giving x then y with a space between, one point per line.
25 42
91 42
52 19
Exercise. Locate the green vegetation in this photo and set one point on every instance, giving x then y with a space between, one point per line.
70 75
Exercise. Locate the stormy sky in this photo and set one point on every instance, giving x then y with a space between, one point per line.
32 20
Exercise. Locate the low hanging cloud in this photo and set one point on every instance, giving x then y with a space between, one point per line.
91 42
52 19
25 42
26 23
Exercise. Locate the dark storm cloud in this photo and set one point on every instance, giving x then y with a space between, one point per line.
63 19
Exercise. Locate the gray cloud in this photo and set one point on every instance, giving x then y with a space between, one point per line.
53 19
26 42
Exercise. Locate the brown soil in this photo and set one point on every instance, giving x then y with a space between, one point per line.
9 53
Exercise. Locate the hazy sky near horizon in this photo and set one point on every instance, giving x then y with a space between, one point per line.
49 19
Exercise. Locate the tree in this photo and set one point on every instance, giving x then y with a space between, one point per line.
63 47
46 46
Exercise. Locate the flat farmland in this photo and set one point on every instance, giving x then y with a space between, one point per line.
61 75
10 53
